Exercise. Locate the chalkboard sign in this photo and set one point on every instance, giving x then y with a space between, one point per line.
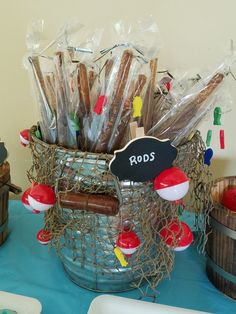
142 159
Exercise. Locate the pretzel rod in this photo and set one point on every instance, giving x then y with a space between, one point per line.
91 77
50 87
126 113
168 128
83 86
121 81
35 61
108 66
161 106
148 108
62 123
48 116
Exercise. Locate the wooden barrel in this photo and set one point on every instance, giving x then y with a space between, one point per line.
4 195
221 244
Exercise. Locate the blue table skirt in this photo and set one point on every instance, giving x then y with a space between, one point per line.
31 269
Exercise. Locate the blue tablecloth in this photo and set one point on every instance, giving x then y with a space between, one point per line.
31 269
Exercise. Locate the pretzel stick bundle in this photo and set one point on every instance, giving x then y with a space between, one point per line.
172 123
121 81
126 115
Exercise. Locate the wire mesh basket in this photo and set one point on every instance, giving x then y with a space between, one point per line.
85 240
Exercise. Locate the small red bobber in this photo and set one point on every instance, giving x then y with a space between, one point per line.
128 242
171 184
44 236
177 235
25 137
41 197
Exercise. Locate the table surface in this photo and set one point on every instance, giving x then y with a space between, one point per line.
31 269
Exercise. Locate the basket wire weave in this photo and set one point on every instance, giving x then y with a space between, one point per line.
85 240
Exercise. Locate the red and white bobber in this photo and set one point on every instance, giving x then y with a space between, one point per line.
44 236
172 184
177 235
25 137
26 203
128 242
41 197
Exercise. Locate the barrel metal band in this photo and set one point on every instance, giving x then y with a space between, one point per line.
3 227
223 229
220 271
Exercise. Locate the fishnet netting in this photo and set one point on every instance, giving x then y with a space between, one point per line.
85 240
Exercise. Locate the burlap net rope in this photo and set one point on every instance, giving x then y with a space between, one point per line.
69 170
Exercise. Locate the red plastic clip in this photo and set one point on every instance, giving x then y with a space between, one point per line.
222 139
99 104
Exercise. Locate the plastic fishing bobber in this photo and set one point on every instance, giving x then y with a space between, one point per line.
171 184
41 197
44 236
128 242
177 235
229 199
26 203
25 137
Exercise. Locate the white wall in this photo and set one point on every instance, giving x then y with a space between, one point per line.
195 34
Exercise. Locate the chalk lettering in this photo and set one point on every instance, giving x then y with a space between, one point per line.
132 160
139 158
145 158
152 156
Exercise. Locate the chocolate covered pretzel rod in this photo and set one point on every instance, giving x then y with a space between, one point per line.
39 74
172 124
61 97
121 81
83 86
148 108
108 66
84 107
50 86
91 77
127 112
46 109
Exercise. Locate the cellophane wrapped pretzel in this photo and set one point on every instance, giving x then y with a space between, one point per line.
87 96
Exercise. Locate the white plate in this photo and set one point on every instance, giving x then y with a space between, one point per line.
19 303
107 304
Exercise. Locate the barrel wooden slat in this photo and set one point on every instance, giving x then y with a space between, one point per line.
4 196
220 248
